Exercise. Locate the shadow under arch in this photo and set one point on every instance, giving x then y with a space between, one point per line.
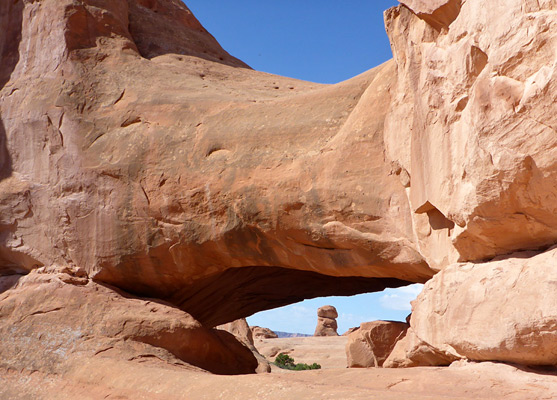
5 158
241 292
11 19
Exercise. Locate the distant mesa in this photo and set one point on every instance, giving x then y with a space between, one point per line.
259 332
290 334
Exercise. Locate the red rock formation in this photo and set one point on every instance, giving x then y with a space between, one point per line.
326 321
259 332
504 310
153 161
470 122
163 166
54 320
243 333
373 342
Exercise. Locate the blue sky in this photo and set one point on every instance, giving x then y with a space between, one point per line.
390 304
324 41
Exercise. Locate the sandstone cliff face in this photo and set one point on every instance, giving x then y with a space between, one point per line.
470 122
165 166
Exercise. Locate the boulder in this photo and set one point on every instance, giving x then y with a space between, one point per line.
56 318
262 333
243 333
410 351
350 330
326 321
327 312
371 344
503 310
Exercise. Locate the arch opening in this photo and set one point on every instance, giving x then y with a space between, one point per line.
391 304
241 292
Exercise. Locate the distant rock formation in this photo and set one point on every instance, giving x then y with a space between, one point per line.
259 332
373 342
290 334
326 321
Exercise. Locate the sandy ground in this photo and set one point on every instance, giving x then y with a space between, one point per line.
104 378
328 351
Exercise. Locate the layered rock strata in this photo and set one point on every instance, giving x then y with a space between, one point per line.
326 321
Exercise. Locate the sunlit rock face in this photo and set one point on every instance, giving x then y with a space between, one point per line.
504 310
57 321
157 163
326 321
371 344
471 122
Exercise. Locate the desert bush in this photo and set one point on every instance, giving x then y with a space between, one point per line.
284 361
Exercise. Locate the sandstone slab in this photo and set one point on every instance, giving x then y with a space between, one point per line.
97 381
55 318
259 332
502 310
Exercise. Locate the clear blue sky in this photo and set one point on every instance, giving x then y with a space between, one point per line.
324 41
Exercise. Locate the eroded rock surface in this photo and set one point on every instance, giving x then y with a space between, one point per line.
326 321
243 333
135 152
55 319
472 125
152 159
504 310
373 342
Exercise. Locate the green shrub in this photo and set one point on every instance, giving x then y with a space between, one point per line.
284 361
